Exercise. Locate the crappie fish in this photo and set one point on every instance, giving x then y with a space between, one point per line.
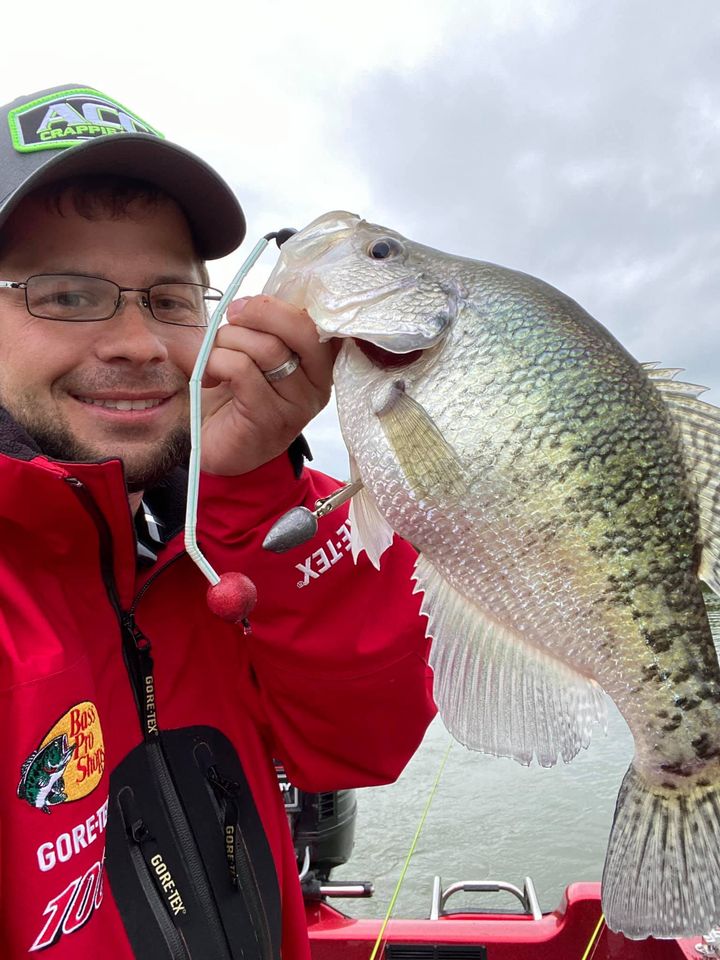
564 501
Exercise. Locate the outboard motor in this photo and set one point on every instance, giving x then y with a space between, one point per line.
322 826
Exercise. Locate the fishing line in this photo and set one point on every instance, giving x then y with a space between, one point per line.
415 839
594 938
191 544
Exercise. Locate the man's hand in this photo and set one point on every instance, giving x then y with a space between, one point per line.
247 420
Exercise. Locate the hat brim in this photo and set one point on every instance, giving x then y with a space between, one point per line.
213 212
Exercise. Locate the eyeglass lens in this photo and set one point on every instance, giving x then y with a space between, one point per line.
67 297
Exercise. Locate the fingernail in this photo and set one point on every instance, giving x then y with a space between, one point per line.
240 302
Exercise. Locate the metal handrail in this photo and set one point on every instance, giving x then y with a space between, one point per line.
527 896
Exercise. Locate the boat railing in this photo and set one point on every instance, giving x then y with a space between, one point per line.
527 896
710 947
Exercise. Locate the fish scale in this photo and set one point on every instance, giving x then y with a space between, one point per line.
563 499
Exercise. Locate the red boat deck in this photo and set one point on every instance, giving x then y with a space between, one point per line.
564 934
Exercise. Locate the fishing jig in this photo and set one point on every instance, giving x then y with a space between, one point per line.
300 524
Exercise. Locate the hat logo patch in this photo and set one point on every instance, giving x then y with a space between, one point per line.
71 117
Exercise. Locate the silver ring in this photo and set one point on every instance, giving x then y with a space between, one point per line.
284 370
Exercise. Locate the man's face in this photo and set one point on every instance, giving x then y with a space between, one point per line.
64 382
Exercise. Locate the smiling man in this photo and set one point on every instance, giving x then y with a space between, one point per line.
84 389
139 730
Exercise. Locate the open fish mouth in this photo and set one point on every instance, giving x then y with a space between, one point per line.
387 359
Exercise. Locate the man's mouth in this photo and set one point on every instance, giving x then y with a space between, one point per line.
124 403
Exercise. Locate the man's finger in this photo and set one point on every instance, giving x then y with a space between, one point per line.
247 381
290 325
266 350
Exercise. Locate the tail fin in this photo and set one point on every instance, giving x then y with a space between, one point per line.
662 870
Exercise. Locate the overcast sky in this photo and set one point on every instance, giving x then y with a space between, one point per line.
575 140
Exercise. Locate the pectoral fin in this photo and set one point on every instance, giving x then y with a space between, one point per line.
369 530
426 458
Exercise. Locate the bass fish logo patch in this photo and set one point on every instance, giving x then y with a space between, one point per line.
69 762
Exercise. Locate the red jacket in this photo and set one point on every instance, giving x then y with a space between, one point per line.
138 730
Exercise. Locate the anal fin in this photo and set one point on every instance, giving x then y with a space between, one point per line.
496 692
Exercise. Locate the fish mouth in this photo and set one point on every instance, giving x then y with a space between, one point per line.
386 359
67 752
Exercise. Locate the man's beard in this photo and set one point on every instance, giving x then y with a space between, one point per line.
55 440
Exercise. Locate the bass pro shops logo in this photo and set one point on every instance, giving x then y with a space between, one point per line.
71 117
68 763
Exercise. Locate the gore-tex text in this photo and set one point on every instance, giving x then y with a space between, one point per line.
150 711
169 886
322 560
66 845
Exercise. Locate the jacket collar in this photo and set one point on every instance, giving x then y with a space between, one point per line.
14 441
166 500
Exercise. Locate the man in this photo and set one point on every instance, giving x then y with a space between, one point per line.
139 811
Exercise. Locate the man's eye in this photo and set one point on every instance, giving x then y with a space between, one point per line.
68 299
170 303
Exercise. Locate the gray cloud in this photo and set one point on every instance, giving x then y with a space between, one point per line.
583 149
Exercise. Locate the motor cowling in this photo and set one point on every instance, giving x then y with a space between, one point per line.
322 826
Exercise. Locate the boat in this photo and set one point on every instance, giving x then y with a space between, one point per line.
323 830
573 931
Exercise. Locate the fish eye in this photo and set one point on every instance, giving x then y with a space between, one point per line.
384 249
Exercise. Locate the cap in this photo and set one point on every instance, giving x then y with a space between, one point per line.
73 130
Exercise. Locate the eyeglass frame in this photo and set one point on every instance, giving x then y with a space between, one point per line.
145 300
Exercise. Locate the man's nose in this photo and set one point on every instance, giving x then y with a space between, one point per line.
133 333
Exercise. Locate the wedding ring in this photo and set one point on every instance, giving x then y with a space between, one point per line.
284 370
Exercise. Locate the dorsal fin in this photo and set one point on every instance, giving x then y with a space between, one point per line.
699 424
28 763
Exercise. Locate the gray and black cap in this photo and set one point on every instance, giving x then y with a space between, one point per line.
73 130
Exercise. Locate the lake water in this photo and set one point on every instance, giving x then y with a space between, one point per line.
491 818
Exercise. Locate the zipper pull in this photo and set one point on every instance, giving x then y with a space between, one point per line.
226 795
139 832
135 827
144 679
225 786
142 643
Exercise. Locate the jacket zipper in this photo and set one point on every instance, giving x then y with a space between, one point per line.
171 935
238 857
137 647
138 834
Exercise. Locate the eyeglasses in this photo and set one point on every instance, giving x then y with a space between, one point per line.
84 299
